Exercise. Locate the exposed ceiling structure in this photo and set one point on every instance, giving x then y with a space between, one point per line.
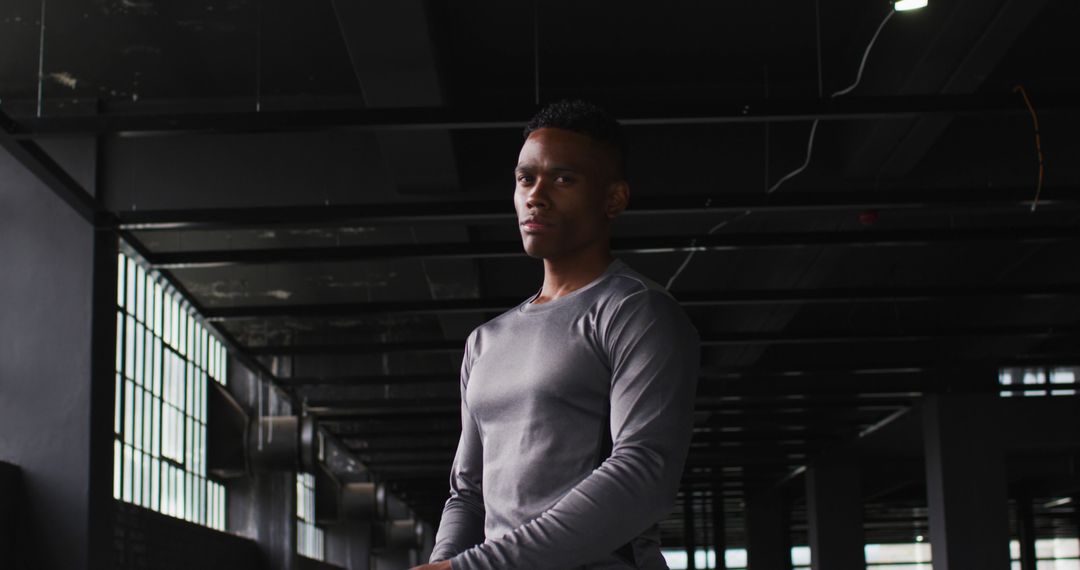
330 183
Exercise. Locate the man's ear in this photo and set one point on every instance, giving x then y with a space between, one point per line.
618 198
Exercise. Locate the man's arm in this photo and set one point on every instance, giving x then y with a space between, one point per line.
655 355
462 522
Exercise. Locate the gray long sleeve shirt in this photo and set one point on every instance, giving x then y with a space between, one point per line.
531 485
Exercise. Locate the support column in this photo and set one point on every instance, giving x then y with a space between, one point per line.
395 558
766 532
834 513
56 416
688 529
349 545
719 527
263 506
1025 522
965 482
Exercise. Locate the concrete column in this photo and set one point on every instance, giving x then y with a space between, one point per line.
395 558
55 404
688 529
1025 521
834 513
263 506
719 527
349 545
965 482
766 532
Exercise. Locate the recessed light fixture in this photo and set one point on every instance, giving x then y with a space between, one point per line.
905 5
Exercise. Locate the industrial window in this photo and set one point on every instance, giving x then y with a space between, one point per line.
163 358
1039 381
309 538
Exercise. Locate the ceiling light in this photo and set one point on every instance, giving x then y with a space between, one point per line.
905 5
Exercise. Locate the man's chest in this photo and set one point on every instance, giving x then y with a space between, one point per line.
533 368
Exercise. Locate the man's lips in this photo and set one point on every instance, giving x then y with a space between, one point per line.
532 224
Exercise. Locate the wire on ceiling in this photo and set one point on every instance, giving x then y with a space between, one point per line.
809 150
1038 142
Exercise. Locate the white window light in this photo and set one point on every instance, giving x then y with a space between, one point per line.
159 444
906 5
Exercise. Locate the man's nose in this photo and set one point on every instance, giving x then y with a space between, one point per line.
537 196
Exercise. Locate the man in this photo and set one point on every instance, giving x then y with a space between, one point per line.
600 358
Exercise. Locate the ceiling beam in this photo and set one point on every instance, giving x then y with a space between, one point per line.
750 375
470 210
815 387
515 116
736 338
745 297
639 245
49 172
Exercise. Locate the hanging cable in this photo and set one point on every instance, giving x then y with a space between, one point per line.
693 243
809 148
844 91
866 54
536 52
41 61
1038 142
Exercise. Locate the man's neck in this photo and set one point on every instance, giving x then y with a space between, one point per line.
566 275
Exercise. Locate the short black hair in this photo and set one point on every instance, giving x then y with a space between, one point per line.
585 118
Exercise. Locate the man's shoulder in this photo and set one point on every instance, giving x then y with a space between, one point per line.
634 297
627 281
628 284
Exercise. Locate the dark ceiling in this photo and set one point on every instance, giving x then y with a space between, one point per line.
255 153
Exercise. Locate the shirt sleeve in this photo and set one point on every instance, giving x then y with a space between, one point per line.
462 522
654 354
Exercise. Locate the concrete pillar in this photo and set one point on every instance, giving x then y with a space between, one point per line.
688 529
263 506
965 482
395 558
719 527
767 545
834 513
1025 522
55 401
349 545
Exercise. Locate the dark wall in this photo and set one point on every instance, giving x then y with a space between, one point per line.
144 539
46 283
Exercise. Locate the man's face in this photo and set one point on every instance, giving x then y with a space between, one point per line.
567 189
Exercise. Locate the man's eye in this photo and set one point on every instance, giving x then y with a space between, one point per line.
564 180
523 178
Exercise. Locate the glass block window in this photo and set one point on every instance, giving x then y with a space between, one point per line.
163 359
309 538
1039 381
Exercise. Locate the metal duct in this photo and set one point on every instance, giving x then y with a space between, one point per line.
398 534
363 501
283 443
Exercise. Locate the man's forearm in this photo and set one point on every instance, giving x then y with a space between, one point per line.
460 527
